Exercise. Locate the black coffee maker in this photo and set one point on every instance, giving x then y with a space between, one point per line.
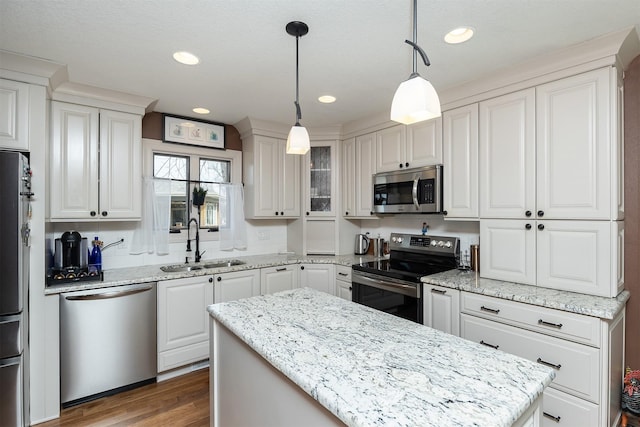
71 253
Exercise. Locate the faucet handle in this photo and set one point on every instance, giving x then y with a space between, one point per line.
186 260
202 253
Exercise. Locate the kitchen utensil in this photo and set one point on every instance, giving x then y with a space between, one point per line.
475 257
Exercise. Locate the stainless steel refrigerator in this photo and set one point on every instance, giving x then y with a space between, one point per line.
15 194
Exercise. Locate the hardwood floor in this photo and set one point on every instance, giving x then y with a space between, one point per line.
181 401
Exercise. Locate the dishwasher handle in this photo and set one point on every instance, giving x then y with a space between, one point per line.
107 295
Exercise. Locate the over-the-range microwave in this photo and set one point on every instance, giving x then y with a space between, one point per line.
416 190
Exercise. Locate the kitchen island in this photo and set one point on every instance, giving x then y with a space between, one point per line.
303 357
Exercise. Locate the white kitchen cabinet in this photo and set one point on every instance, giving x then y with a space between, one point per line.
14 115
96 164
343 282
579 160
320 277
460 152
358 166
507 156
576 256
402 147
441 309
321 174
236 285
280 278
183 321
271 178
587 354
391 148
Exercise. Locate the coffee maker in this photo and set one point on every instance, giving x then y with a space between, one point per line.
70 260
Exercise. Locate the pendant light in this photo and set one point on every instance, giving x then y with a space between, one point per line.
298 139
416 99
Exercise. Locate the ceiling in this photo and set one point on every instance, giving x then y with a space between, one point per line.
354 51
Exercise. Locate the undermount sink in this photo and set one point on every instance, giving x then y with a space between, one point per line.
178 268
218 264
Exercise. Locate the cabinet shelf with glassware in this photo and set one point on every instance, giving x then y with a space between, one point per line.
96 163
320 167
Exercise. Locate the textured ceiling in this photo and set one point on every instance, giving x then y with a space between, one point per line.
354 50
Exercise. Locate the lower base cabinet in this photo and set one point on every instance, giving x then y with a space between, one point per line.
320 277
277 279
183 321
441 309
236 285
343 282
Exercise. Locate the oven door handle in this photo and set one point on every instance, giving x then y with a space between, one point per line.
414 193
398 288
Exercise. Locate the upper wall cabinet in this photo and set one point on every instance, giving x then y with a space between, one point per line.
460 147
579 150
14 115
358 166
320 174
402 147
271 178
95 164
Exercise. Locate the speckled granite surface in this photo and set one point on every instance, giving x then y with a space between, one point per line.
373 369
152 273
589 305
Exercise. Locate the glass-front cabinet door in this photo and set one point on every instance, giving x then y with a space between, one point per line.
321 179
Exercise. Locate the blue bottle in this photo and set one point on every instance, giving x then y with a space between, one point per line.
96 255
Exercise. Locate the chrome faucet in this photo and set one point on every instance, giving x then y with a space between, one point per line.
198 254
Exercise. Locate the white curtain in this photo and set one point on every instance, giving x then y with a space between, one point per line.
233 230
152 235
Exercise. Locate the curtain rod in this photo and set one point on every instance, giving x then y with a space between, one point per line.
192 180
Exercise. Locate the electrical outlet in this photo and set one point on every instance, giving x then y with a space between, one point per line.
121 247
263 235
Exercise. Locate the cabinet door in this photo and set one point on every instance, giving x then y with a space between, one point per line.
574 147
321 176
290 186
120 165
507 156
183 320
320 277
343 290
348 184
442 309
14 115
366 154
424 143
391 148
236 285
276 279
74 162
267 152
508 250
460 145
576 256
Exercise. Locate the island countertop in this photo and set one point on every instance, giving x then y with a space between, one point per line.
370 368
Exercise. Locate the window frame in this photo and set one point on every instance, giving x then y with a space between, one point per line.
234 157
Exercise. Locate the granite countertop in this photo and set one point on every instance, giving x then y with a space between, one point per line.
589 305
370 368
152 273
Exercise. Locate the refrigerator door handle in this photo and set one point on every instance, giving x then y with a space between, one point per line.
10 362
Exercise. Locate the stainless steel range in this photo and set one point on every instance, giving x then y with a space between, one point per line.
393 285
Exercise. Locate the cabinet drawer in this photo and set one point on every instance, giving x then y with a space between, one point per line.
562 409
343 273
562 324
577 366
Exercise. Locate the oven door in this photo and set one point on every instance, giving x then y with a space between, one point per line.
396 297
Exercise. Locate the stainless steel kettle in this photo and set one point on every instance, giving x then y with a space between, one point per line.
362 244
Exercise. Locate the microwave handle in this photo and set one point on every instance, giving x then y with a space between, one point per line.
414 193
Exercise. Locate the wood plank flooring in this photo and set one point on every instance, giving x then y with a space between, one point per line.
181 402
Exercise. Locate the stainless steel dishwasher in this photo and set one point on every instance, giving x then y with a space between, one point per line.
107 341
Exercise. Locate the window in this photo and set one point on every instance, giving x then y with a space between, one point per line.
179 168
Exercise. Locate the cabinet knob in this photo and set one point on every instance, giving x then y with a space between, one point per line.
528 226
219 279
302 267
401 165
540 213
92 213
346 213
444 213
104 213
350 288
540 226
527 213
277 213
282 213
407 164
211 279
370 212
307 213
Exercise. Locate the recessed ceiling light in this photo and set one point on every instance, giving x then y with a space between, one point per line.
186 58
327 99
459 35
200 110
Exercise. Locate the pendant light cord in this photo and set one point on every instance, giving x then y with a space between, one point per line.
416 49
297 103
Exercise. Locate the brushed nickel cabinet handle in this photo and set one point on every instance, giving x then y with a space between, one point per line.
552 325
549 364
490 310
489 345
551 417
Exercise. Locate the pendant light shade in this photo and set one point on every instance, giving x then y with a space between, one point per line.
415 99
298 139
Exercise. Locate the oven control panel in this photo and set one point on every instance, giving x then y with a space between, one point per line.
423 243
